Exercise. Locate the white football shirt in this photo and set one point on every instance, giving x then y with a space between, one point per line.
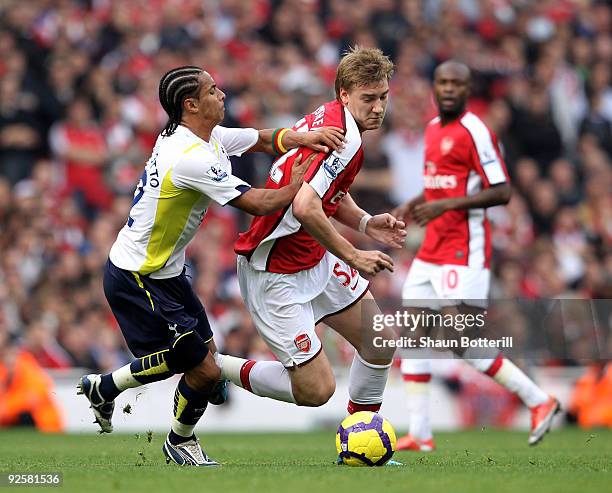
181 178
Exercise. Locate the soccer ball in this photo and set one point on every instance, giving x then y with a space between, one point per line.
365 439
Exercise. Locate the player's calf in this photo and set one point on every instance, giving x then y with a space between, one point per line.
313 384
310 384
205 376
314 397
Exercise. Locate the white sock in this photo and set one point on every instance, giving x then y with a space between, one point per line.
367 383
123 379
419 424
482 365
512 377
417 375
417 364
230 367
263 378
182 429
506 373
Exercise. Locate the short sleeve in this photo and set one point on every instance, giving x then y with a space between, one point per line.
235 140
336 162
200 171
486 158
327 171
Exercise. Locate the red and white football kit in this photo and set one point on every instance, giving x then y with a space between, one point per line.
461 158
452 267
287 279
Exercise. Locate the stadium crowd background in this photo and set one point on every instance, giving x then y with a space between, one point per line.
79 114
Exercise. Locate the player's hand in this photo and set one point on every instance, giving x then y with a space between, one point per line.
428 211
401 211
299 168
324 139
404 212
387 230
371 262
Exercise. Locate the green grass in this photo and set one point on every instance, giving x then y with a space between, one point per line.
470 461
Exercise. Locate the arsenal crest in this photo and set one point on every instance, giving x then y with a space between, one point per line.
446 145
302 342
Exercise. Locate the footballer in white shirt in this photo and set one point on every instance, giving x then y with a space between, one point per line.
161 318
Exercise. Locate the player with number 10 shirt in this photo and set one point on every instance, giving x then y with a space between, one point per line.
464 174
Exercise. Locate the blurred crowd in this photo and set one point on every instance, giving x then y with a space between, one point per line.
79 114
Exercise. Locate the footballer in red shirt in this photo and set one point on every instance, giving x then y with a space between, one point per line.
296 270
464 174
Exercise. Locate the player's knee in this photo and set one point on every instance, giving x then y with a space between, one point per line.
187 352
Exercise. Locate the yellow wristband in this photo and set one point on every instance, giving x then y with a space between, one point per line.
279 140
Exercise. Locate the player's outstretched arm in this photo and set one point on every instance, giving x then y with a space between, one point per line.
489 197
384 228
261 201
280 140
404 211
308 210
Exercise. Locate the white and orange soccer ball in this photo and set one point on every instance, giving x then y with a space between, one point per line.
365 439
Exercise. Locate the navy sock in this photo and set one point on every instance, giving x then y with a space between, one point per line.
176 439
108 389
189 406
151 368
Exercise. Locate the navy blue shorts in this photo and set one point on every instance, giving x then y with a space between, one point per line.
153 312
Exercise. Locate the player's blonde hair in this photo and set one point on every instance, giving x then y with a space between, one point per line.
361 67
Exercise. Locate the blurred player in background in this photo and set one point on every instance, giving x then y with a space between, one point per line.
464 174
161 318
295 270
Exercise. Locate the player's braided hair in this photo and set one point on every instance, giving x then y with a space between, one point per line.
174 87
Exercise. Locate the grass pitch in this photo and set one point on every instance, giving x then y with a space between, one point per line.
471 461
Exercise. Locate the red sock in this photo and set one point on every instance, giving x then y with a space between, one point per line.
495 366
353 407
421 378
244 374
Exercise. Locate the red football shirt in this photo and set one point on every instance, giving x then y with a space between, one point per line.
461 158
277 242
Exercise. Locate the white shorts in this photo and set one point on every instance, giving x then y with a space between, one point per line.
286 307
446 284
